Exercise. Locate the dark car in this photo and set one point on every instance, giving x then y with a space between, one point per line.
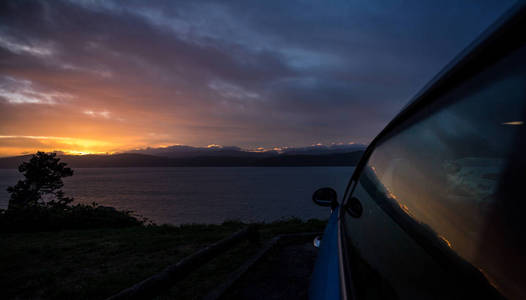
436 208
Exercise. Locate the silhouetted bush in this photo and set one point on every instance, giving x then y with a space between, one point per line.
78 216
37 203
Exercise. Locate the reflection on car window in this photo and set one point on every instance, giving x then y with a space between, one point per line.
445 169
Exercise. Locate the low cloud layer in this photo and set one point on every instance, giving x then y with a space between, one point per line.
134 74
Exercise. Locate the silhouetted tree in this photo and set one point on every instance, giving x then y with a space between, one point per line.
37 203
42 184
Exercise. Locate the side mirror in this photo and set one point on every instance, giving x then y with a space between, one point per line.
326 197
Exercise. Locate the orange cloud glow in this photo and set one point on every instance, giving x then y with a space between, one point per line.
133 76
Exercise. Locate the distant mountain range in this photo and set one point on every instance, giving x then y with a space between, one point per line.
180 156
180 151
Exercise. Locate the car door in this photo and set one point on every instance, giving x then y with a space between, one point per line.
436 208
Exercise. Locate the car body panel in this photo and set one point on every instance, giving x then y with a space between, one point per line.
325 280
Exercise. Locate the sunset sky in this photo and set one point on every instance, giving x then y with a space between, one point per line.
97 77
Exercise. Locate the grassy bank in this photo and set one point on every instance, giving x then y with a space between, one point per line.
94 264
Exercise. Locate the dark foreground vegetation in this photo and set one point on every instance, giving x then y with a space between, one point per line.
97 263
54 249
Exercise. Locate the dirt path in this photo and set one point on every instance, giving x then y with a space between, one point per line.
284 273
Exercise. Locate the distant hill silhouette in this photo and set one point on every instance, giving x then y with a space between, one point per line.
223 160
180 151
323 149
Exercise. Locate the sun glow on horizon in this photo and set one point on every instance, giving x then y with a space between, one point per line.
80 153
11 145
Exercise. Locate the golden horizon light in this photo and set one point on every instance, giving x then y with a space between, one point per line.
13 145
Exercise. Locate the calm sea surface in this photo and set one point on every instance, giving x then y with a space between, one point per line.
203 194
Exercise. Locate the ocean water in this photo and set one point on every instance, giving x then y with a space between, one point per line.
201 194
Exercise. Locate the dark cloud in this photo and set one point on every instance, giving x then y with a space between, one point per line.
247 73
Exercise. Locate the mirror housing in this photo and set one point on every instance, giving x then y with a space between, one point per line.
325 197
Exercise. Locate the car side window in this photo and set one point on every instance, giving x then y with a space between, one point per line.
454 170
